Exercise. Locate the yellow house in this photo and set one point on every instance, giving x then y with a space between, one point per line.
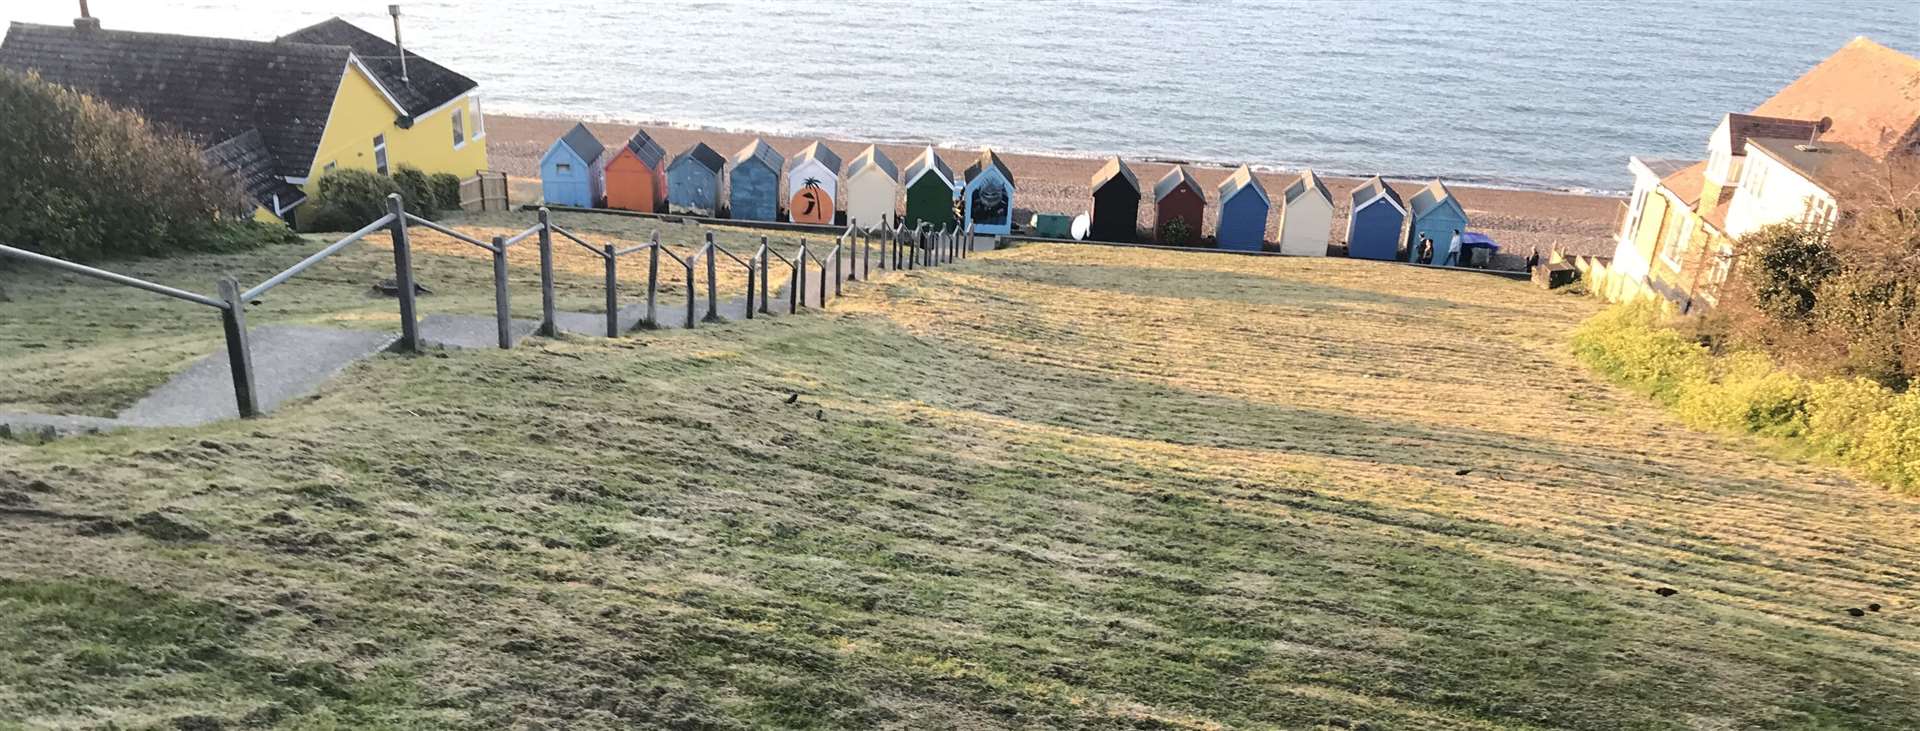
1788 161
280 113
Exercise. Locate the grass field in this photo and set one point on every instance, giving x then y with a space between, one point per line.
1048 487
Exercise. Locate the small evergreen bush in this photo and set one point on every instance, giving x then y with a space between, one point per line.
446 191
417 190
349 198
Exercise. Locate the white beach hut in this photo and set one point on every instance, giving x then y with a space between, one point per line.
1306 216
873 189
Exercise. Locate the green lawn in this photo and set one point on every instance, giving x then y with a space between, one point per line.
1048 487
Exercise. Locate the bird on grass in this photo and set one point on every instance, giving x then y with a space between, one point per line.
793 398
1666 591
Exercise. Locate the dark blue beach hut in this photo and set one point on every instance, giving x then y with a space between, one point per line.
1436 215
1243 212
1375 221
988 196
693 181
573 172
753 183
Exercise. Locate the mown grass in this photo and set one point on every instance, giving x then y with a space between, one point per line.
1045 488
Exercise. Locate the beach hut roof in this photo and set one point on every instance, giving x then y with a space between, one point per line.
1307 182
761 152
703 155
988 158
1115 168
929 161
1434 195
1242 179
872 157
583 143
821 153
1172 180
644 148
1375 187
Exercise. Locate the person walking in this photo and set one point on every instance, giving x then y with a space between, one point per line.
1453 250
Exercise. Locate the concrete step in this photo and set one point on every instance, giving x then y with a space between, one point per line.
289 362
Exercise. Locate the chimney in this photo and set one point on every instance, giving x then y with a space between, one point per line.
394 10
86 21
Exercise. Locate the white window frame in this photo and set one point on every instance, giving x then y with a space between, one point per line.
479 120
1675 255
380 154
459 120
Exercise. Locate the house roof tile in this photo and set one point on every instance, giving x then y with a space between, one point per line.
426 85
1872 92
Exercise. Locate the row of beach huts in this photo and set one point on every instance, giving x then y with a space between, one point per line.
814 185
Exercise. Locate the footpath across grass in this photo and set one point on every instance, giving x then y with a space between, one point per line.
1048 487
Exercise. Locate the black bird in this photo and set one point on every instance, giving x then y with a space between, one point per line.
1666 591
1873 607
793 398
1856 612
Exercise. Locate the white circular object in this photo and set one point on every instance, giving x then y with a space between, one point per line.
1082 225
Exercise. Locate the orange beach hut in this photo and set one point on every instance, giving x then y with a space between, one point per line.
637 175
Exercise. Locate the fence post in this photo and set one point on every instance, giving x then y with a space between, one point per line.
547 326
750 277
866 254
823 280
713 291
688 264
799 289
838 261
765 274
403 275
853 228
233 319
653 279
502 322
613 290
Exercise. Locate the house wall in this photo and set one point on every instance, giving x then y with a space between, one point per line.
632 186
1374 232
1116 213
361 112
1770 192
753 193
1243 223
1304 225
929 201
872 198
693 189
1182 203
989 208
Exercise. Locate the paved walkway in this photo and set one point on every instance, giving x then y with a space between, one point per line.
293 361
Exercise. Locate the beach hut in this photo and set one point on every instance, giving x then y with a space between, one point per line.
873 189
1116 203
693 181
930 191
988 196
637 175
1243 212
572 172
1180 209
1436 215
813 185
753 183
1306 216
1375 221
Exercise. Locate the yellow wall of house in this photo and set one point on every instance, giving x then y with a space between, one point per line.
360 112
261 214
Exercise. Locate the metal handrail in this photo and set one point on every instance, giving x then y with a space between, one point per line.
519 237
116 278
411 218
331 249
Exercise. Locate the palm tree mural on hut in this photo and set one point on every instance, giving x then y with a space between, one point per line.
988 196
813 176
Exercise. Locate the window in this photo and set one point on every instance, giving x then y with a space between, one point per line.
1670 235
459 128
380 154
563 168
1675 253
329 168
1758 180
1819 214
479 120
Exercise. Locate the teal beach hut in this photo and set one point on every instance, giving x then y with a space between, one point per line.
1243 212
1436 215
573 172
1375 221
693 181
987 201
753 183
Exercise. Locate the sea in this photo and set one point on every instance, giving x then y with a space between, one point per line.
1533 94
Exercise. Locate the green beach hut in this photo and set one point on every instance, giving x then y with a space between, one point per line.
930 191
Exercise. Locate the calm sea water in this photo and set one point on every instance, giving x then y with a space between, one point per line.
1527 93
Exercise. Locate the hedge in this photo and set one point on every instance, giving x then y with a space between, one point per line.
1853 421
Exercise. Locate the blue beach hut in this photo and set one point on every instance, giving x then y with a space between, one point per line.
1436 215
753 183
988 196
693 181
1375 221
1243 212
573 172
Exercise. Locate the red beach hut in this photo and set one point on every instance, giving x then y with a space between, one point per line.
1180 208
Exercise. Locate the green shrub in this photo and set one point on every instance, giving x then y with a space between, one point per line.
1855 421
1784 265
417 189
446 191
346 199
84 180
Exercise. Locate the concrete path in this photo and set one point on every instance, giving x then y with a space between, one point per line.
293 361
